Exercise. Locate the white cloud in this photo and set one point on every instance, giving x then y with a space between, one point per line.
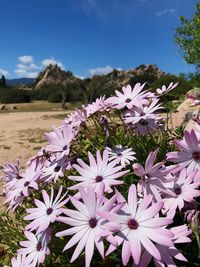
110 10
100 70
4 72
165 11
29 67
46 62
79 77
26 59
26 74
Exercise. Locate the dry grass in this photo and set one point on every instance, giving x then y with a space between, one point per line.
39 106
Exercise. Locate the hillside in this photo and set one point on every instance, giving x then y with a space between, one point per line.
16 82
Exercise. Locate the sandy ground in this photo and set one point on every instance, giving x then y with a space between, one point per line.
22 134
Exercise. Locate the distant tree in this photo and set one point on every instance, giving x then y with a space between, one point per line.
3 81
85 89
70 92
187 36
148 77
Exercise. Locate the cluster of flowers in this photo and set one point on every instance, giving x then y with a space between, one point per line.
93 209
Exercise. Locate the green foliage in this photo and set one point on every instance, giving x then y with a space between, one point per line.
9 95
188 37
55 97
149 76
54 93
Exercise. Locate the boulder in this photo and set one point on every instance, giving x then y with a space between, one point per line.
194 93
2 107
13 107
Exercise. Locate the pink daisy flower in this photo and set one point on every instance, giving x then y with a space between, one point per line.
35 248
19 261
98 172
189 154
123 154
168 253
165 89
179 191
11 176
19 188
29 180
152 176
87 225
55 169
129 97
46 212
141 227
99 104
143 120
11 171
76 118
60 140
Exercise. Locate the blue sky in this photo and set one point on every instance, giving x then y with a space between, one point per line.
90 36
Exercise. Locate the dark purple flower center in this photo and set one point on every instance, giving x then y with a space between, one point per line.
45 153
65 147
26 183
18 176
196 155
93 222
128 100
177 190
49 211
57 168
133 224
39 246
99 179
143 122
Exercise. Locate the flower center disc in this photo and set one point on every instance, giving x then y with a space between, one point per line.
56 169
49 211
65 148
128 100
133 224
26 183
99 179
196 155
39 246
177 190
143 122
93 222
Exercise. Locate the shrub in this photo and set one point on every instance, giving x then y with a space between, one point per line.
14 96
55 97
110 177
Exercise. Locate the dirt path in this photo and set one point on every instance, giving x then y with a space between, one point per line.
22 134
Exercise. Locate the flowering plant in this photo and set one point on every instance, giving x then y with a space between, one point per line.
109 184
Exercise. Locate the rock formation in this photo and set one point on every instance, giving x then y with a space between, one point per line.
54 75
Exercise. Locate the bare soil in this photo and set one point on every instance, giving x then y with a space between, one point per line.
22 134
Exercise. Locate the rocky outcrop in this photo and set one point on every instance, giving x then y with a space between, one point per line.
54 75
122 77
194 93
